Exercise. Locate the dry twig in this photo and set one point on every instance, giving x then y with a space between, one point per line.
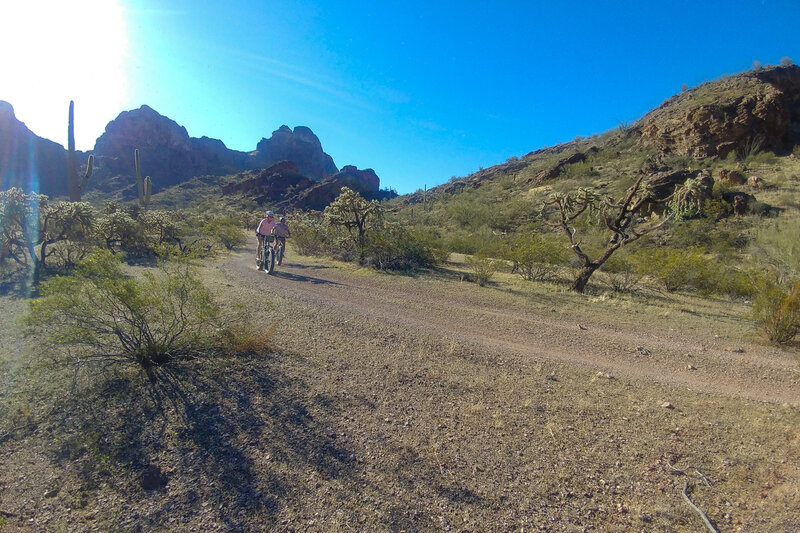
699 511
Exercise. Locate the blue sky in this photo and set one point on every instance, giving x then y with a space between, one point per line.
418 91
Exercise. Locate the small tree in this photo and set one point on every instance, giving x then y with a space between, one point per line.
624 220
18 225
352 211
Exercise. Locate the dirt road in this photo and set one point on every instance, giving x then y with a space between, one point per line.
711 350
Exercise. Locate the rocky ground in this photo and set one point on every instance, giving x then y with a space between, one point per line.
427 403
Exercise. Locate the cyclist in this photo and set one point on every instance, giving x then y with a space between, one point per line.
264 232
282 232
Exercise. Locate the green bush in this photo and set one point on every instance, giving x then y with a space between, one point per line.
392 247
620 273
535 257
310 234
675 268
777 310
483 268
100 313
227 231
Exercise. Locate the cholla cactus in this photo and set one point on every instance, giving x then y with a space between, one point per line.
687 200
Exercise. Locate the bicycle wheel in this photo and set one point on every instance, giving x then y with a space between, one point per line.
269 260
279 254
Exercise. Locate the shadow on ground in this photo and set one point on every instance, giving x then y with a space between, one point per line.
198 439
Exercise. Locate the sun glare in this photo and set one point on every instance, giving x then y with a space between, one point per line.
56 51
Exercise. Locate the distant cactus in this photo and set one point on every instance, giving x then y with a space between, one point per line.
75 188
145 186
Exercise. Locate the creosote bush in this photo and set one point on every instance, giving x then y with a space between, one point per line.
777 310
483 268
101 313
535 257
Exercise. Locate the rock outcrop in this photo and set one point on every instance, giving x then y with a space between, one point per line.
270 185
166 151
755 109
364 182
300 146
282 186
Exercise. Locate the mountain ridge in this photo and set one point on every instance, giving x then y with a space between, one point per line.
167 153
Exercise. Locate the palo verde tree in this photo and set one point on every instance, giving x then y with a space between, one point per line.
624 220
352 211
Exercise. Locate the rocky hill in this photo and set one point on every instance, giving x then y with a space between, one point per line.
719 117
167 153
754 111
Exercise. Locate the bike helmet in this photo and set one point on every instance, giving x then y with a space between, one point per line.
283 219
270 214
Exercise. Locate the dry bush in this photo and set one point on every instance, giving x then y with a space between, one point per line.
777 310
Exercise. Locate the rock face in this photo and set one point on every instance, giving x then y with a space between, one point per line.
270 185
170 156
166 151
300 146
282 186
755 108
364 182
30 162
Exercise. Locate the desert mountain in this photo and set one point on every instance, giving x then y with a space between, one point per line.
168 154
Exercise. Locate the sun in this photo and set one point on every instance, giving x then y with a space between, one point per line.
56 51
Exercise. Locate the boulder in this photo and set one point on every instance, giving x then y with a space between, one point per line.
755 182
731 178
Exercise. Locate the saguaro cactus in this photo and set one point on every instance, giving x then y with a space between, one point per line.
75 188
144 187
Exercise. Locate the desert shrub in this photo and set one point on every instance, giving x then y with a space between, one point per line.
118 230
675 268
309 234
470 243
18 225
227 231
535 257
393 247
621 274
749 151
100 313
470 211
483 268
777 310
778 244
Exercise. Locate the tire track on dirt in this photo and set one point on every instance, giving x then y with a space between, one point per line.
530 338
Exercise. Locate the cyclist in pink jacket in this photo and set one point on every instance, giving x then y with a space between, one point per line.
264 232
